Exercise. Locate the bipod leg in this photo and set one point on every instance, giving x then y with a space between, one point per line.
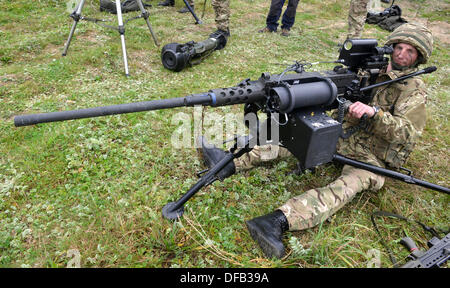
145 14
122 36
174 210
197 21
76 16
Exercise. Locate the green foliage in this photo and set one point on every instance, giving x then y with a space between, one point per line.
97 186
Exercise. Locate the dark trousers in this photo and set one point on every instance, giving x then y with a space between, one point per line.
275 12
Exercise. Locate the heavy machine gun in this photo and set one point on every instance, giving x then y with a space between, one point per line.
295 105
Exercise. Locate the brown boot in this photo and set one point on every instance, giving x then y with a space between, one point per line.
265 30
285 32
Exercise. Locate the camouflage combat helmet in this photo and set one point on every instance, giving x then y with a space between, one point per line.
416 35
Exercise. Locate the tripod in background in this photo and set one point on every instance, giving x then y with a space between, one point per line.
197 21
76 16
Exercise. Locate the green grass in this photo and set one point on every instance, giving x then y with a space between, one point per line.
98 185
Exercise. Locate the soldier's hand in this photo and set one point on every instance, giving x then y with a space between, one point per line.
358 109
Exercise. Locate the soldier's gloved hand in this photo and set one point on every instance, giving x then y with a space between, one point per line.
358 109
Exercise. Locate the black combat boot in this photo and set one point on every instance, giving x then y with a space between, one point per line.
167 3
220 32
213 155
132 5
267 231
222 36
108 6
185 9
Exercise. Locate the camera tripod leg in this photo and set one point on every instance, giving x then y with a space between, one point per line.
145 15
122 36
76 15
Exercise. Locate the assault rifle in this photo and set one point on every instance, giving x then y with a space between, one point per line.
436 256
295 105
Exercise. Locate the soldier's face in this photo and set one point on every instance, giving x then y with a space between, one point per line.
404 54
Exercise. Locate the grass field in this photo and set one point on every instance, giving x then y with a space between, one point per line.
95 187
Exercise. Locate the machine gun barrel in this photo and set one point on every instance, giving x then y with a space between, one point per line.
249 92
199 99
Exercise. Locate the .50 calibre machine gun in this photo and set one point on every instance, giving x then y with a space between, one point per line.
299 101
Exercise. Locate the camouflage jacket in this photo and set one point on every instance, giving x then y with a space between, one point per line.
393 132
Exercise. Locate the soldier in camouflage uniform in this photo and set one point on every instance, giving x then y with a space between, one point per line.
356 18
357 15
397 118
222 11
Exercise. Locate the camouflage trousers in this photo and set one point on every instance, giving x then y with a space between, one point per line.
316 205
222 11
356 18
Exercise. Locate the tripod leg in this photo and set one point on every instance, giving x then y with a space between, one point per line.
145 15
76 15
174 210
122 36
197 21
